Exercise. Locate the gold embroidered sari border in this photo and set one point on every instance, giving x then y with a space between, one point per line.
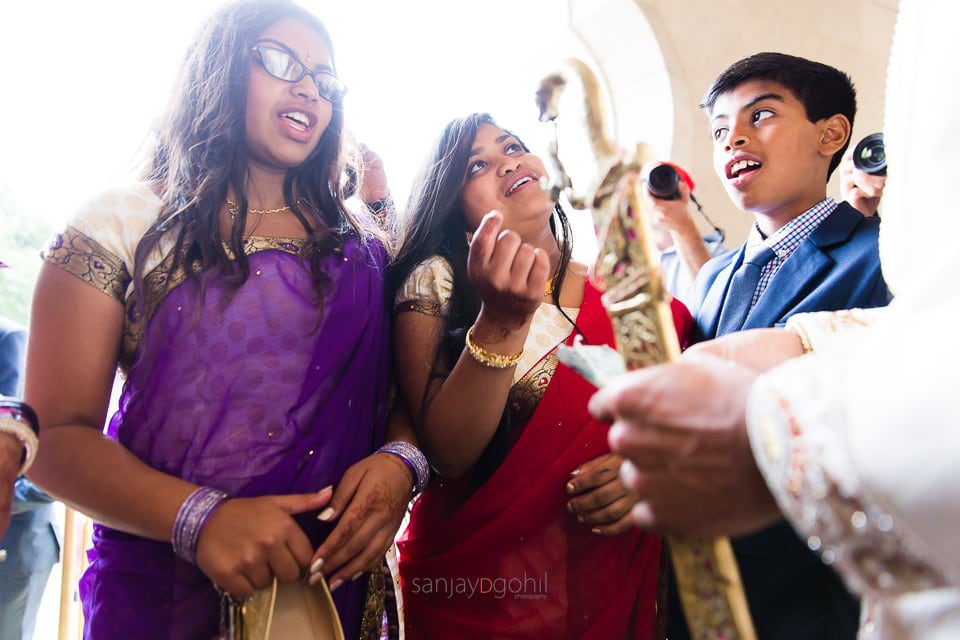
161 280
527 392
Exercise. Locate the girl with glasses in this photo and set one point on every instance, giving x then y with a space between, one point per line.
242 297
527 532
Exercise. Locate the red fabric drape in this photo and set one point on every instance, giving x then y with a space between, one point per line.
506 559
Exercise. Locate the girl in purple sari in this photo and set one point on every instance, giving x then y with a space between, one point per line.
242 298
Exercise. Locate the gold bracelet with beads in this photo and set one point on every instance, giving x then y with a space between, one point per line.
490 359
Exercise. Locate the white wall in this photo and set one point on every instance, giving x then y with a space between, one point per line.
657 83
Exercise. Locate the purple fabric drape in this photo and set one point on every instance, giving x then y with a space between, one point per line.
252 392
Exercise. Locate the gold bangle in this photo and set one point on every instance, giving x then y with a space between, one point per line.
487 358
802 334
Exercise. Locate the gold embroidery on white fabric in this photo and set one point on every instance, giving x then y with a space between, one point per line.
842 523
823 329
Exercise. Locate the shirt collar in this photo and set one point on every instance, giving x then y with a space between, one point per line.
820 210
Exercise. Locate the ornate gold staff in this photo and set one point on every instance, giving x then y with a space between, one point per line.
706 571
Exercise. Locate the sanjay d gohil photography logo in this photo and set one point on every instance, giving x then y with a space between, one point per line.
525 587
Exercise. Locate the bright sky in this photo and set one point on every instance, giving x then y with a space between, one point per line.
84 80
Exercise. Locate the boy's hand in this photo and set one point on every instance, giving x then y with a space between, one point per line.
859 188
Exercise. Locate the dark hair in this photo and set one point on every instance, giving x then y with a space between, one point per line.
200 151
823 90
435 225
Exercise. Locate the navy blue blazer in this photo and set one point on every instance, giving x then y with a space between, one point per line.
792 595
31 539
835 267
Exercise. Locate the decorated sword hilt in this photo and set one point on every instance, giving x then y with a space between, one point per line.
627 271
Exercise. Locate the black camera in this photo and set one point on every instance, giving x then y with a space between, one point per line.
870 155
663 182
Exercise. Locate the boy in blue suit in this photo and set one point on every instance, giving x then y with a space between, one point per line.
780 126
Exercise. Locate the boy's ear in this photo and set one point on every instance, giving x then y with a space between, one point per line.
834 133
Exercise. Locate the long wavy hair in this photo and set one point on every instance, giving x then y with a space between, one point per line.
200 152
434 224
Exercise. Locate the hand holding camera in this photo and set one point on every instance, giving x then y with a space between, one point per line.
863 174
669 189
666 197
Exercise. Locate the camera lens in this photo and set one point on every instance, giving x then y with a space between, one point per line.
870 155
663 181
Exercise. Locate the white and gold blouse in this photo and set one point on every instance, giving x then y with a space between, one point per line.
99 243
428 290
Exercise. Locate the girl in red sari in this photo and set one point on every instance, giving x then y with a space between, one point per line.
525 532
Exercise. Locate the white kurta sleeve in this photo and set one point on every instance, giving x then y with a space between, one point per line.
860 446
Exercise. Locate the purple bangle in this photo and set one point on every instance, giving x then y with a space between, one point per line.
192 516
20 411
414 459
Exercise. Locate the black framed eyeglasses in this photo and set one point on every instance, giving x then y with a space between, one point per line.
283 64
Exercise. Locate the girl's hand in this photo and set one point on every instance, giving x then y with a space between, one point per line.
600 500
509 275
369 504
248 541
11 451
374 186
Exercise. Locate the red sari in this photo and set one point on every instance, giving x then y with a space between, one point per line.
506 559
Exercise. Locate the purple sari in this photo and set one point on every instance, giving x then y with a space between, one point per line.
253 393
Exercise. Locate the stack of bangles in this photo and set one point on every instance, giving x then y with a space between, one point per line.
200 505
414 459
20 421
191 518
488 358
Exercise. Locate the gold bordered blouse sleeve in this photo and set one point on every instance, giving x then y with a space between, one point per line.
428 288
98 242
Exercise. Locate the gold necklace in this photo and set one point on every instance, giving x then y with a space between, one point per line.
551 285
233 209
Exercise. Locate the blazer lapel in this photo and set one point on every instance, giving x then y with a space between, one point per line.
795 279
708 315
805 269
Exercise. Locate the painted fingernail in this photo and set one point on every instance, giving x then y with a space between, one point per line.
335 585
575 471
315 579
596 531
325 489
570 487
326 514
316 566
356 577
